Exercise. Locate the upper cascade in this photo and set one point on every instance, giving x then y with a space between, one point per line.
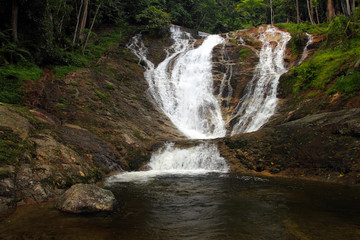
258 103
182 85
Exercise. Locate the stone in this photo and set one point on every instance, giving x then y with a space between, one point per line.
86 198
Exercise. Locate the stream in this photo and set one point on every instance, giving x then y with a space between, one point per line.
211 206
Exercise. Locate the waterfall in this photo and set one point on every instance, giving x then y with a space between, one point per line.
259 102
201 159
305 52
182 85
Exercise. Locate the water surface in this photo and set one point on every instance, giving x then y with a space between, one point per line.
214 206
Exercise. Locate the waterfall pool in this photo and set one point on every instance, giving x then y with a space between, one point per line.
210 206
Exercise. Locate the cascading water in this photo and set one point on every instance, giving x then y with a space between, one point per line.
201 159
306 52
259 102
182 86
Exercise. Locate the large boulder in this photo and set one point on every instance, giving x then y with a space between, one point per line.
86 198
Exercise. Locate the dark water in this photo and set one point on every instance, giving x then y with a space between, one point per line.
204 207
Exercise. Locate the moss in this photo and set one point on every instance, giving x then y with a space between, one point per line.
102 96
11 81
11 147
244 54
62 71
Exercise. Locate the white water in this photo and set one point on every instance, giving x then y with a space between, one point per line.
259 102
182 86
306 52
202 159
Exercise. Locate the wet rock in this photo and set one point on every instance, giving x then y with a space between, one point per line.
9 118
321 147
85 198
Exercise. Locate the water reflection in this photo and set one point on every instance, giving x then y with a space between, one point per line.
204 207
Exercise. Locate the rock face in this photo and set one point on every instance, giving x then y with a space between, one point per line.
322 147
85 198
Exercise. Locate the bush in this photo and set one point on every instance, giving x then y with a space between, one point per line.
347 84
155 20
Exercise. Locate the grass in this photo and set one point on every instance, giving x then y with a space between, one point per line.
347 84
333 62
11 81
325 66
62 71
78 58
12 76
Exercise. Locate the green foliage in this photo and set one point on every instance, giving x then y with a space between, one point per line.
324 66
341 30
62 71
347 84
155 20
297 31
102 96
11 81
11 52
243 54
252 10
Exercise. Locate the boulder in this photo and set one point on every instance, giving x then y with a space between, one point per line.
86 198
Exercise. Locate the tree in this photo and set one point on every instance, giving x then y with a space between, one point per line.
249 8
331 10
297 12
14 19
310 11
155 20
84 18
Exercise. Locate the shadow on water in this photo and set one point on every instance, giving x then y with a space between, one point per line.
203 207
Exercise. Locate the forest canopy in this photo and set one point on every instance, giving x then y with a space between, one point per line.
63 34
45 30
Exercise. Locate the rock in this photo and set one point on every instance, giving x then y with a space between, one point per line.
86 198
11 119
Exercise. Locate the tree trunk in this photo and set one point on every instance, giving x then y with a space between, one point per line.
84 18
297 12
348 7
331 10
91 27
14 20
77 22
309 6
271 13
343 7
317 14
353 5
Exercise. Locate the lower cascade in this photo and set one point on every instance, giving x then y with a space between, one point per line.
182 86
201 159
